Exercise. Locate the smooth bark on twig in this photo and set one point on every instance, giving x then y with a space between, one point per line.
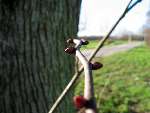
88 82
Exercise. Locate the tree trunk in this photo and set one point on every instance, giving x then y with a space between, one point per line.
33 66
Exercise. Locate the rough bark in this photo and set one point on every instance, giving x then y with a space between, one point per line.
33 66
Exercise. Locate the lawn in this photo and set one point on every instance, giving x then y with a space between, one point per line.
123 84
93 43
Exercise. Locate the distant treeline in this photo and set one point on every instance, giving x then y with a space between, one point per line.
123 37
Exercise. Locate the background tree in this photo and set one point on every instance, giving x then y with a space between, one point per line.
33 66
146 30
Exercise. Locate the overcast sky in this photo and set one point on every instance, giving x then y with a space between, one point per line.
97 16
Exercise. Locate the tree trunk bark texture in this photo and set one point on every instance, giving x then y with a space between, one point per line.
33 66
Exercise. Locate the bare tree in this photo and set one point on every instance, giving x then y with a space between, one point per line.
147 29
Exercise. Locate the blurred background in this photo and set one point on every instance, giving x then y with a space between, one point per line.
123 84
97 17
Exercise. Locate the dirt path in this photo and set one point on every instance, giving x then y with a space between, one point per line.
106 51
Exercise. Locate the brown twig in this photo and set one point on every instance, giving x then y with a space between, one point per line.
100 45
88 82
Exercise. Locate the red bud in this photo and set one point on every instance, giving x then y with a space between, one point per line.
96 65
79 101
70 50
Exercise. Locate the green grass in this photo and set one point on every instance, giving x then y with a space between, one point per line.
123 84
93 43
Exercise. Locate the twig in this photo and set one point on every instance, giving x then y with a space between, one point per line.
88 82
100 45
130 7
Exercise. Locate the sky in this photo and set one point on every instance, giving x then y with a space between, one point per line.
98 16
